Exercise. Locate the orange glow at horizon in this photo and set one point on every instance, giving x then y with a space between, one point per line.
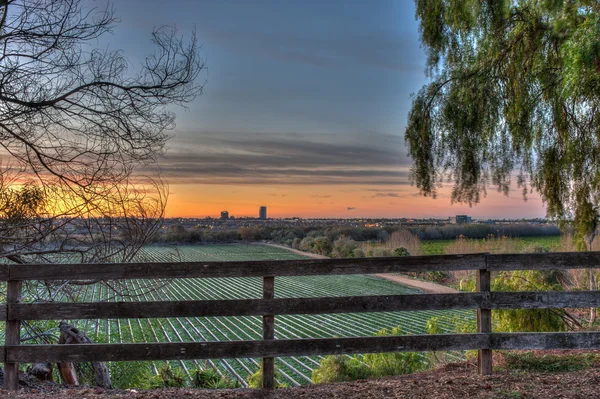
327 201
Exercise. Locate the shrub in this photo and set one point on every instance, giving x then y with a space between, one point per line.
168 377
130 374
395 363
344 247
340 369
401 251
255 380
358 253
208 377
344 368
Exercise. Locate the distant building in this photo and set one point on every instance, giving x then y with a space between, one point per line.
461 219
262 213
224 215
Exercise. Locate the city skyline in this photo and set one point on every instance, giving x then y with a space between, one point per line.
304 109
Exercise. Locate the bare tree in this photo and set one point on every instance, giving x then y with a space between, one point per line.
76 125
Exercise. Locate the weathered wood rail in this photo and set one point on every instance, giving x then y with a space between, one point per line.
484 301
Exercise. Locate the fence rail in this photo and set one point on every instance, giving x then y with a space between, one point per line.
485 341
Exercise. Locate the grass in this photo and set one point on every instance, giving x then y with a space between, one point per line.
519 244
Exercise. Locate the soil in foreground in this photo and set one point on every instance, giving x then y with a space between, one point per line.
451 381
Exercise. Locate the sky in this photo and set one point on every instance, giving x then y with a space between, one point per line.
303 111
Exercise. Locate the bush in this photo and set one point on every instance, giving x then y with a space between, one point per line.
395 363
344 247
358 253
208 377
344 368
401 251
381 252
130 374
255 380
340 369
168 377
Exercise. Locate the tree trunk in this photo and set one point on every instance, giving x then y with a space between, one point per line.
72 335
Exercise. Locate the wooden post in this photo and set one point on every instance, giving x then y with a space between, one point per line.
12 336
484 323
268 363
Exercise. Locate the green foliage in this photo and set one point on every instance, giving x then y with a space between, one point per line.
340 369
529 319
207 377
319 245
255 380
401 251
437 276
395 363
376 365
456 323
344 247
358 253
515 86
380 252
549 363
168 377
125 375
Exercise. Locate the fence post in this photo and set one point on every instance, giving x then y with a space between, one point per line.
12 335
484 322
268 363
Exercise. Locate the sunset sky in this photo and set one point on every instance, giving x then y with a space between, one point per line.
304 109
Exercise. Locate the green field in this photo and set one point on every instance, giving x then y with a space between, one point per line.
294 370
438 247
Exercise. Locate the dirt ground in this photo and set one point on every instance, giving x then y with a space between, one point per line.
457 381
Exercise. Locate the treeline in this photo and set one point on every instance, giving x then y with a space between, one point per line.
289 236
453 231
323 239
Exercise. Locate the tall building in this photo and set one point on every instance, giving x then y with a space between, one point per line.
224 215
262 212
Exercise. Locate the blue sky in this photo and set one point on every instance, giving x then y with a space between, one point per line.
303 98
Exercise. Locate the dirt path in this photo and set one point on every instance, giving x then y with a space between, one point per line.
425 286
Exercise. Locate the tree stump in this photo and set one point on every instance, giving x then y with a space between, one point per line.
41 371
72 335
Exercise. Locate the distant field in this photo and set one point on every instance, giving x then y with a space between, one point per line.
438 247
294 370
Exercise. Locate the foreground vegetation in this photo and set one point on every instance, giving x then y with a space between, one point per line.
293 370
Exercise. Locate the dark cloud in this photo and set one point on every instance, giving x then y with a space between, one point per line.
321 196
228 158
351 208
382 195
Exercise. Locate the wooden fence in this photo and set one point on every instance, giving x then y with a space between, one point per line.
268 348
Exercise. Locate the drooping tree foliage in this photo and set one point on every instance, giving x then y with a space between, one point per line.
515 93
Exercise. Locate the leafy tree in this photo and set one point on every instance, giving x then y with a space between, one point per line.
515 88
532 319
